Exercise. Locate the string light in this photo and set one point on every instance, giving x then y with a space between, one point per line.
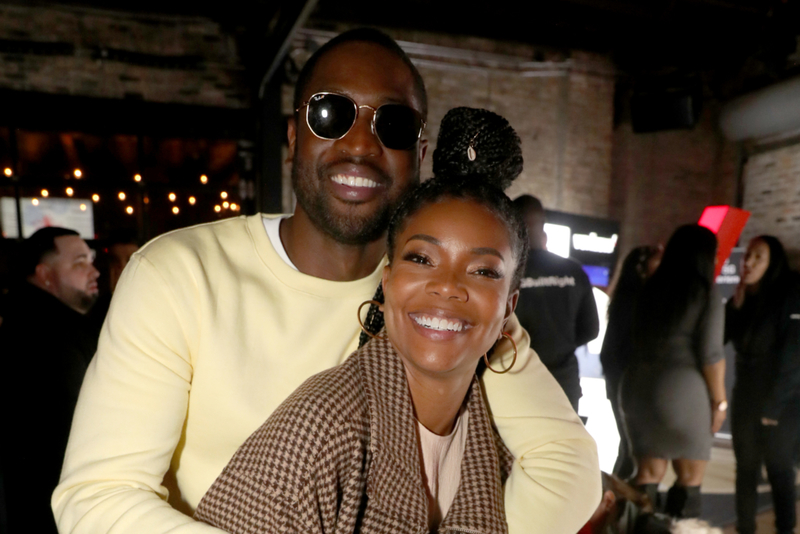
175 210
45 193
8 172
122 196
203 179
234 207
217 208
129 210
35 201
77 173
83 207
225 204
172 197
137 177
70 191
95 198
146 200
223 195
192 200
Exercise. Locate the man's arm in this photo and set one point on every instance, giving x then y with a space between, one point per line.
130 415
555 483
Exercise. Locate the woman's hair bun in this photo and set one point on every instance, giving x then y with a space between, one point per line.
467 133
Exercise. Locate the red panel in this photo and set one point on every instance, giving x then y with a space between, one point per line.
727 223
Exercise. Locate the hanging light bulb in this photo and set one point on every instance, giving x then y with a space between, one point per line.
218 208
225 204
192 200
175 210
223 195
70 191
203 179
95 198
122 195
35 201
129 210
172 197
45 193
83 207
234 207
137 177
77 173
8 172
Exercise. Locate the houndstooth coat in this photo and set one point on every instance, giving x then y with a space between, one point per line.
340 456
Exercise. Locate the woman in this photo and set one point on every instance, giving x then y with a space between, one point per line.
638 266
673 391
398 439
763 321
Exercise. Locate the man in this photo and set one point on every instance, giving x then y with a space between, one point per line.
556 305
47 343
212 327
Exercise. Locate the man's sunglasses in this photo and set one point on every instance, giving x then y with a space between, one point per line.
330 116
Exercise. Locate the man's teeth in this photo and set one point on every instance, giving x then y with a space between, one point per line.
434 323
353 181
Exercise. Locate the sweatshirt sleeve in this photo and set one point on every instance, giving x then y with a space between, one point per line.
787 381
554 486
130 415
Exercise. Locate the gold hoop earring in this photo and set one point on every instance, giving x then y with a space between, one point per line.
364 328
513 344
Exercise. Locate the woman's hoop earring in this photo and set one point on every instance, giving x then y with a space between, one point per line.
364 328
513 344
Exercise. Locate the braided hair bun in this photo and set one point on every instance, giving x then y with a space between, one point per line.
477 142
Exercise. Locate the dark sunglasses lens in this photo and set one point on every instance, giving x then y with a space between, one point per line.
397 126
330 116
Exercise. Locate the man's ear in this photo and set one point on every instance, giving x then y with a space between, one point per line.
291 136
423 149
511 305
43 277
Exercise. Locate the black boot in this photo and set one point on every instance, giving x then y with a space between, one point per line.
651 490
683 501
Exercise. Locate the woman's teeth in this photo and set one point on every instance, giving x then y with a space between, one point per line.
353 181
434 323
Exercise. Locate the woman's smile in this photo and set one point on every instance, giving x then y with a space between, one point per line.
447 290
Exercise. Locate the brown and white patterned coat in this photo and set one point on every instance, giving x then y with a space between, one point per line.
340 456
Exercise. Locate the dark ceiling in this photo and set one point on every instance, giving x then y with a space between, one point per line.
735 45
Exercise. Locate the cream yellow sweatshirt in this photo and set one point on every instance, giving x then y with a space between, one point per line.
208 332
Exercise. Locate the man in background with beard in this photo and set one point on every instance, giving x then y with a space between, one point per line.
46 342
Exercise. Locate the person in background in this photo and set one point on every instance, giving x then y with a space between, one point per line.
762 320
47 342
556 305
673 390
637 267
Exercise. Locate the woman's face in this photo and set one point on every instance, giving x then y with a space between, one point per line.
447 289
755 262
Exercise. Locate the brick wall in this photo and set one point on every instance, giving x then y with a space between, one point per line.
772 194
89 52
664 179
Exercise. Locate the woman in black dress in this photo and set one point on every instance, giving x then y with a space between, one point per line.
763 321
673 391
638 266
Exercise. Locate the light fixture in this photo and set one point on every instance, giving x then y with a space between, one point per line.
7 171
83 207
203 179
175 210
122 195
172 197
218 208
77 173
96 198
129 210
35 201
70 191
234 207
45 193
137 177
223 195
225 204
192 200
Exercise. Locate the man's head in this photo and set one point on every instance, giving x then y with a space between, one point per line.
58 261
533 213
348 187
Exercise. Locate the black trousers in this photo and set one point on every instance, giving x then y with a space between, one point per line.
755 444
